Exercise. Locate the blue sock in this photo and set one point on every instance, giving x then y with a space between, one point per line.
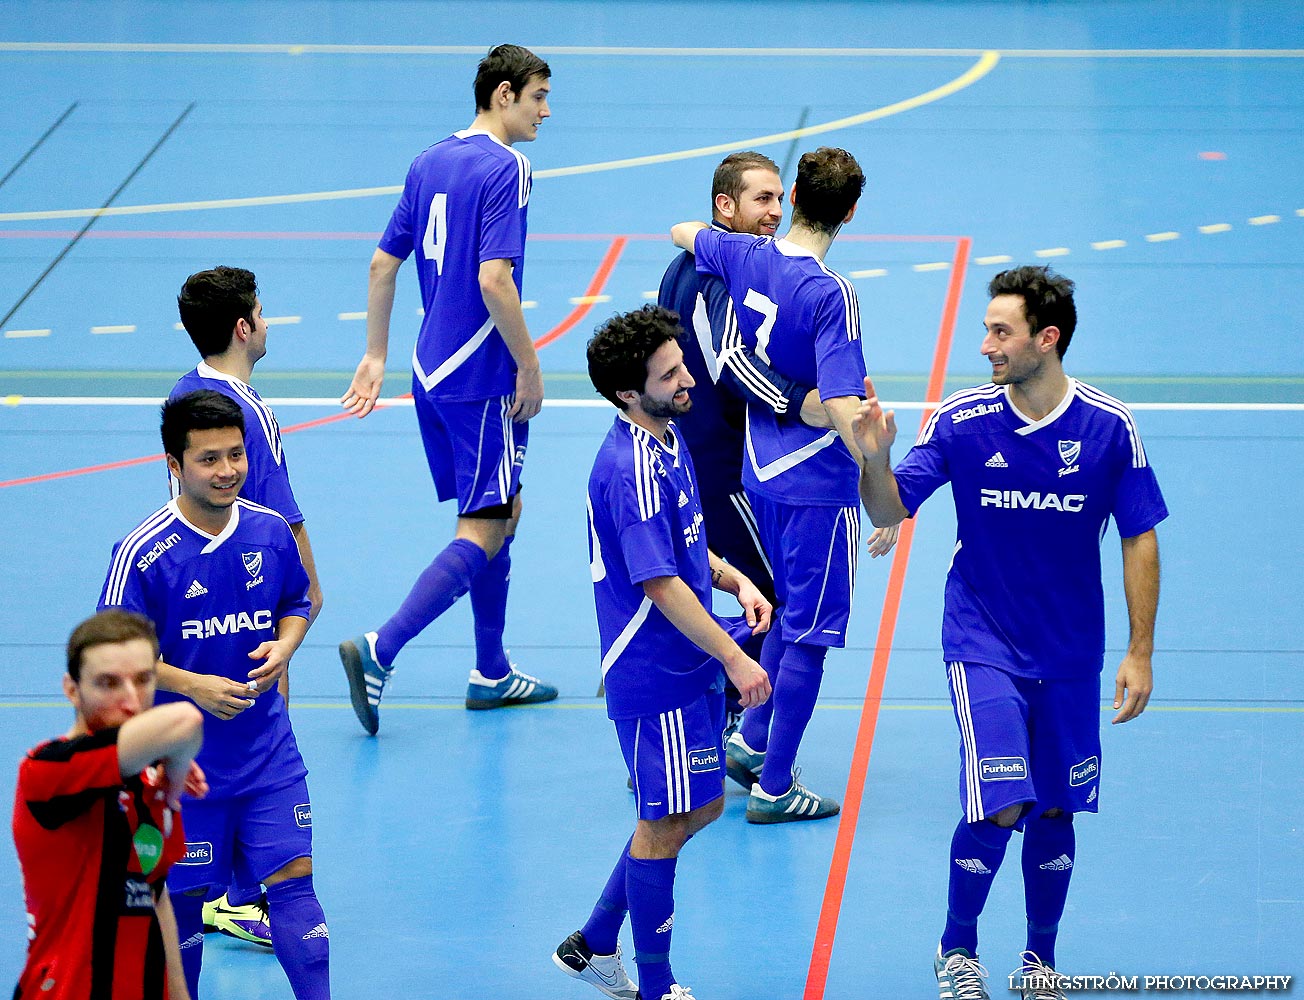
300 938
189 911
650 885
977 850
439 585
794 697
1048 850
242 894
489 606
756 721
603 929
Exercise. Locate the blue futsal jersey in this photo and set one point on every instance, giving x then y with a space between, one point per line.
1032 501
726 371
803 320
463 203
268 481
213 600
645 521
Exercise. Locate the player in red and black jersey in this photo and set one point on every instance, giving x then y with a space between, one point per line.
97 825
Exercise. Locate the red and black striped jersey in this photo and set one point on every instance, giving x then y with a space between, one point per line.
94 850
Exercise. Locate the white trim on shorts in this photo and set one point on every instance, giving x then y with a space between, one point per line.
973 805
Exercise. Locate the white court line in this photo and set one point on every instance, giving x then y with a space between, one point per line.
585 404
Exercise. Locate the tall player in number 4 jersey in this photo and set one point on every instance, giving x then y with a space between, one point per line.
1038 463
475 373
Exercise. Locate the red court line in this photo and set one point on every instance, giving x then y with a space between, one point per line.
826 930
596 285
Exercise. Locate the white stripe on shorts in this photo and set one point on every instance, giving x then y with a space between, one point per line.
973 806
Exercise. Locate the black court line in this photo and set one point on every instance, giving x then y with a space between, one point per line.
95 218
792 146
39 142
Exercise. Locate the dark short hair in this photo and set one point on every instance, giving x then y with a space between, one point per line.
105 628
210 303
829 183
512 63
619 351
1047 299
728 177
201 410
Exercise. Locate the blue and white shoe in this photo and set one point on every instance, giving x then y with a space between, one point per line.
959 976
741 762
367 679
797 803
1037 980
516 688
606 972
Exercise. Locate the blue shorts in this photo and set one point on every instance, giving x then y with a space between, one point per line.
813 552
676 759
475 450
249 836
733 535
1025 741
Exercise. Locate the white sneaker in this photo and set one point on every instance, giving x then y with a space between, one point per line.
606 972
1038 981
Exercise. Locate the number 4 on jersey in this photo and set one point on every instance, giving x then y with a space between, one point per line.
432 245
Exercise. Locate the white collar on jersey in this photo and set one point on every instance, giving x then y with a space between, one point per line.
788 248
1031 425
214 541
671 447
467 132
205 370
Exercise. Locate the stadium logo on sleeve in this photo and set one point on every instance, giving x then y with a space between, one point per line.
701 761
1003 769
1069 452
199 852
1088 770
147 557
303 814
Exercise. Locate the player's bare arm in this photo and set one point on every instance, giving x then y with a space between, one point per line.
364 390
684 233
315 597
276 653
813 413
504 304
730 580
875 431
1135 680
684 611
216 695
169 736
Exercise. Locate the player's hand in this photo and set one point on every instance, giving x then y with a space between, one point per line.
883 541
749 677
364 390
813 413
196 785
529 395
874 429
756 608
219 696
276 661
169 787
1132 687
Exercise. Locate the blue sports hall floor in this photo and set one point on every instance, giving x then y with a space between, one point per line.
1151 151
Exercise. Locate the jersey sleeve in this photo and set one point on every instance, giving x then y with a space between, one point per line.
839 357
293 600
273 490
742 373
397 240
502 221
122 585
921 473
641 516
60 780
1138 503
708 252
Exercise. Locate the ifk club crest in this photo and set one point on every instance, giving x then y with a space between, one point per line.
1069 452
253 561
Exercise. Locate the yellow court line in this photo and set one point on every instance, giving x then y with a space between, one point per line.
715 52
972 75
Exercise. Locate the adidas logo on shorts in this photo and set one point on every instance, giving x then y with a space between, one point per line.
193 940
1061 864
997 461
319 931
196 589
973 866
665 928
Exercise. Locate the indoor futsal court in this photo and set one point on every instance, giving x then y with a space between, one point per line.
1150 151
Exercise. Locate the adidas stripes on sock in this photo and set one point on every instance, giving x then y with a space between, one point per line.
489 607
977 850
189 913
300 938
1049 846
439 585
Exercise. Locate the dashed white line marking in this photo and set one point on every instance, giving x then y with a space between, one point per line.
1109 245
178 326
999 258
123 328
1161 237
1053 252
1217 227
649 295
588 300
1264 220
529 304
347 316
282 320
18 334
937 265
871 272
